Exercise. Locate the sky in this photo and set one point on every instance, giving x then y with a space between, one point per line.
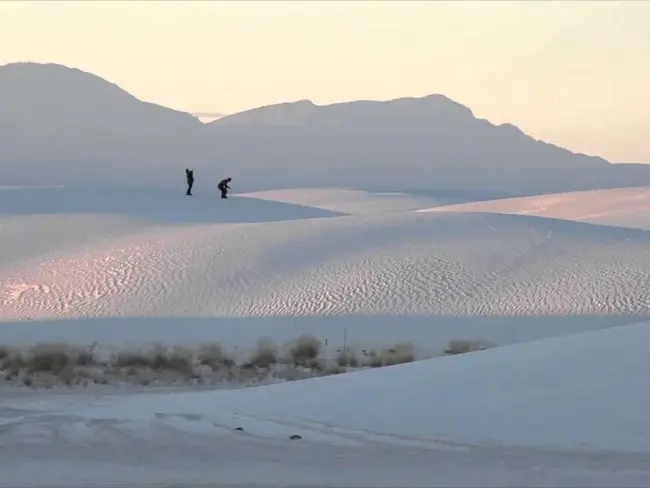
574 73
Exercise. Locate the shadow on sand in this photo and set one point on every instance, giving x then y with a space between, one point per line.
161 206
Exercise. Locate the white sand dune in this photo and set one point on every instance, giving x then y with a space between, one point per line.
562 404
39 222
350 201
496 413
406 264
528 395
625 207
150 206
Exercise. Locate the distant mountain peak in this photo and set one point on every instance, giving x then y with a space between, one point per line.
42 90
436 103
442 100
28 77
433 109
26 66
61 125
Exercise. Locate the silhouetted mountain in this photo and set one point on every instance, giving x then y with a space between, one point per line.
430 141
431 112
63 126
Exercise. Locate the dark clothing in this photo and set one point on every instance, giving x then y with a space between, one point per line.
223 184
189 175
223 187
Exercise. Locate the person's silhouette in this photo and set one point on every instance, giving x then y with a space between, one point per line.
189 176
223 187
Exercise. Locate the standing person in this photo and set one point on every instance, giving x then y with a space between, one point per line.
189 176
223 187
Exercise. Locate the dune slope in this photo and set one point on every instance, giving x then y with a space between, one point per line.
587 391
624 207
422 263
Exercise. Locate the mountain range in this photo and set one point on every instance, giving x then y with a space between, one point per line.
63 126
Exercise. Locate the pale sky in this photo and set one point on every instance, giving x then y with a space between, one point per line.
575 73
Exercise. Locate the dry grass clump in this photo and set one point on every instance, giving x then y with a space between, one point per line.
212 355
177 359
265 355
462 346
347 359
398 354
304 351
11 361
4 352
52 358
44 360
50 364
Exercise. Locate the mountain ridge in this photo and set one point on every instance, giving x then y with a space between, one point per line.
74 127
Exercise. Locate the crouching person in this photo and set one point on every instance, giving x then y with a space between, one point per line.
224 188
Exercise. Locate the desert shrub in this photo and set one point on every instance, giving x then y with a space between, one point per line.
375 362
46 365
131 359
462 346
67 373
347 359
265 355
179 359
12 363
398 354
5 352
212 355
305 350
7 357
51 358
314 363
87 357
